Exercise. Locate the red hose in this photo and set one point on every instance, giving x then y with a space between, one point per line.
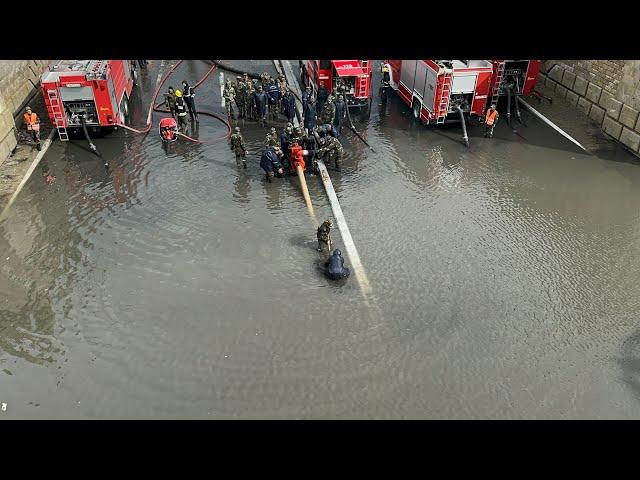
156 108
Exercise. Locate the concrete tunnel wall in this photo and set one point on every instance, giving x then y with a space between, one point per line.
19 81
608 91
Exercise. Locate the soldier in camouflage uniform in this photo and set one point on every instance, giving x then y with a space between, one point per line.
282 83
241 98
229 95
284 88
271 140
333 150
328 111
265 78
324 235
239 147
297 136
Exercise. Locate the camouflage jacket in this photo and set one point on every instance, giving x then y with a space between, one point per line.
229 94
324 232
333 145
237 143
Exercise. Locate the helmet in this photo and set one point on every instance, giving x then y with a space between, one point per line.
178 93
328 223
337 252
340 97
289 125
237 129
308 87
493 106
273 130
238 77
297 130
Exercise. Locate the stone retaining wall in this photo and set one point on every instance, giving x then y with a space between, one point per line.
608 91
19 81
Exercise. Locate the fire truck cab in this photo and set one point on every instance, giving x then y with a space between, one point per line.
436 89
97 91
355 75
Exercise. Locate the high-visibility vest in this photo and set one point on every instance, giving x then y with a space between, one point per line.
180 109
30 120
491 116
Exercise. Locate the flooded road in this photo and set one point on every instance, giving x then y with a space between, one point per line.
504 278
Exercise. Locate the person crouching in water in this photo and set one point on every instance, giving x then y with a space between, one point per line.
324 235
335 268
270 162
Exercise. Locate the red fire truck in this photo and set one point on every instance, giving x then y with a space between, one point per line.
436 89
512 78
96 91
522 75
355 74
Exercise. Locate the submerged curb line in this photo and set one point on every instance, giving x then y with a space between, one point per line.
45 146
349 245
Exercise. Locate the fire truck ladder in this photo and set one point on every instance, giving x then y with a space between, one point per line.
58 115
442 103
361 90
495 95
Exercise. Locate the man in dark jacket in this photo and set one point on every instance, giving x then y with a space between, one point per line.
310 115
188 94
335 268
324 130
306 95
285 140
289 106
275 95
323 94
260 100
340 115
270 162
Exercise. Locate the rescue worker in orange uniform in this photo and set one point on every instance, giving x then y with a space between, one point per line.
32 122
490 121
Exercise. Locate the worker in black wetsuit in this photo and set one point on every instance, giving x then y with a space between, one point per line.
334 266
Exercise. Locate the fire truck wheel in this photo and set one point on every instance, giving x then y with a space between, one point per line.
124 108
416 109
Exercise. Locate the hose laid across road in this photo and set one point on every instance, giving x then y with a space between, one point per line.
156 108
